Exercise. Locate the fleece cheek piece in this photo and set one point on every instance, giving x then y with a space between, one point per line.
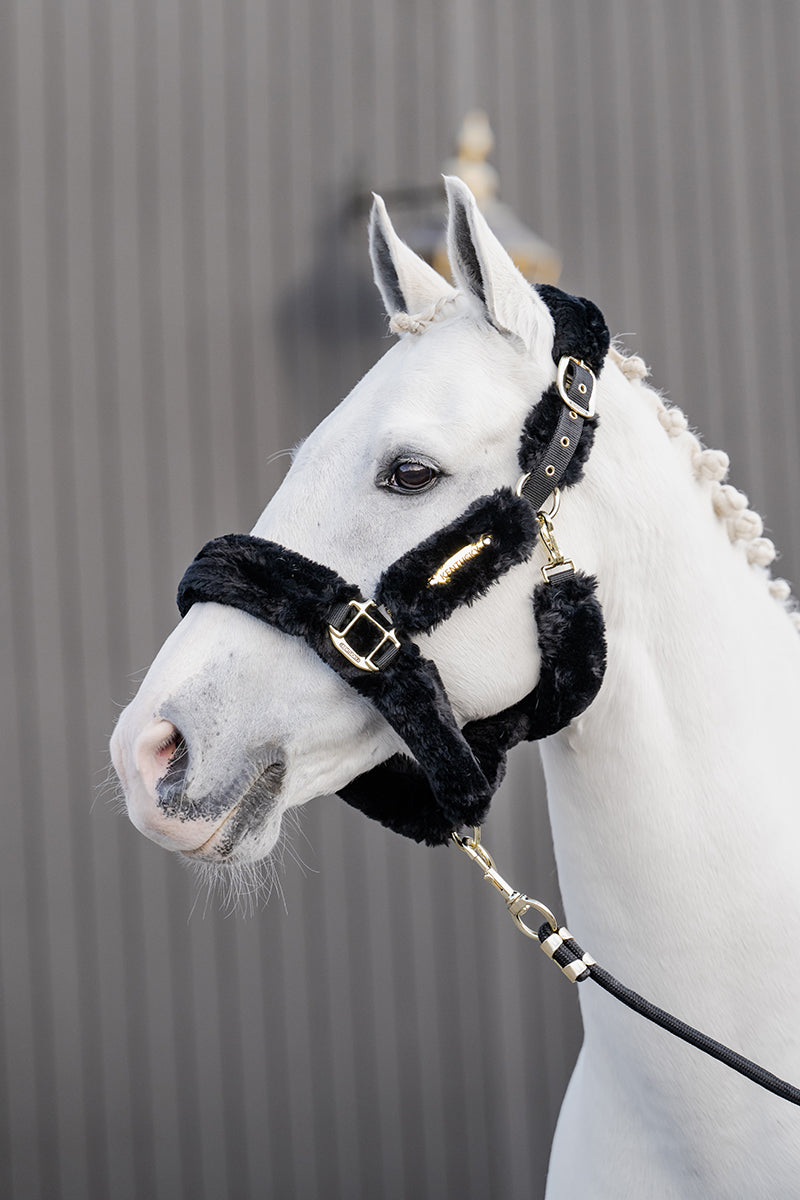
495 533
571 637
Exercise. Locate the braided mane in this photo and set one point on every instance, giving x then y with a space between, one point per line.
744 526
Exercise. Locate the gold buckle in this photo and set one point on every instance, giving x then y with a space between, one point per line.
586 411
364 662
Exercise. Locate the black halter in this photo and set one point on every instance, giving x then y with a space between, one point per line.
451 774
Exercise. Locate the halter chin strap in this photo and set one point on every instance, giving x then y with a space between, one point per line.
453 773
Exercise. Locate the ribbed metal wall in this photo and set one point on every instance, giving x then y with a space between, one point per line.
183 292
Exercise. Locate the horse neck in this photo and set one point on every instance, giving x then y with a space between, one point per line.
671 798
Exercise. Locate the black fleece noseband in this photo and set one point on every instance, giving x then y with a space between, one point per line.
451 774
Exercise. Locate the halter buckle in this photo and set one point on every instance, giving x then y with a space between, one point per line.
578 391
365 662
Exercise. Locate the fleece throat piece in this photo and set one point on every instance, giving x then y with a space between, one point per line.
449 775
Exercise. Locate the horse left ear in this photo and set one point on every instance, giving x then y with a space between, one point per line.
482 267
406 282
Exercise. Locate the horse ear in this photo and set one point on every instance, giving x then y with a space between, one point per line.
482 267
405 280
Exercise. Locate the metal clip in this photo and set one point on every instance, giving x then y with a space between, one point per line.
517 903
557 564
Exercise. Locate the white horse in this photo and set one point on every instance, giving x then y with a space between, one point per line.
672 798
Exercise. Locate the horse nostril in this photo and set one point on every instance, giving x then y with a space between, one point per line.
160 751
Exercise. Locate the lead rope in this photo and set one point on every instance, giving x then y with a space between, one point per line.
578 966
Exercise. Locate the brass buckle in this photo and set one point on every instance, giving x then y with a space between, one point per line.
588 410
364 662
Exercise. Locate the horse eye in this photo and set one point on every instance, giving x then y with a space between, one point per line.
412 477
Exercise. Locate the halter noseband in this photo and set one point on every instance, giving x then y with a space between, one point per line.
451 774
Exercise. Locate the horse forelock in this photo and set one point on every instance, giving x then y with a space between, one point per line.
441 309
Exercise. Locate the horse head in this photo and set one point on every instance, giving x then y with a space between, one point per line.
238 721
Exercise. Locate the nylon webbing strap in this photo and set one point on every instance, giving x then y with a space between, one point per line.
554 462
576 389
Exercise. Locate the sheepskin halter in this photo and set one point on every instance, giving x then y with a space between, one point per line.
450 775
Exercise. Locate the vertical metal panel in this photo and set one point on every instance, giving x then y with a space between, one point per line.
183 294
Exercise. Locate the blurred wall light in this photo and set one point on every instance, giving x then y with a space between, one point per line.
422 229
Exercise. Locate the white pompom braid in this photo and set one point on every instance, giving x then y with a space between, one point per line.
673 420
761 552
780 589
727 500
745 526
710 464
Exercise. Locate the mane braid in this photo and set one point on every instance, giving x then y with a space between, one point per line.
403 322
744 526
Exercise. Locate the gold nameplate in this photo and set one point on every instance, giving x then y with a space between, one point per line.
448 569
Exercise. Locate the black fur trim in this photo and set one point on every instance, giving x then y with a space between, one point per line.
297 596
398 794
573 658
266 580
572 645
404 588
581 330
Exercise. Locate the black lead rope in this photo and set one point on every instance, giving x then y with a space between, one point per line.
579 966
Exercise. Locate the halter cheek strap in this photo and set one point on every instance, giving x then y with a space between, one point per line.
451 774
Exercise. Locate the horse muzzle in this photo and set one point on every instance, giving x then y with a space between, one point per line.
156 769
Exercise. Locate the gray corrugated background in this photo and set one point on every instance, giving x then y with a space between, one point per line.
181 295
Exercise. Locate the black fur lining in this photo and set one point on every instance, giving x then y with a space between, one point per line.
581 330
297 596
404 588
573 658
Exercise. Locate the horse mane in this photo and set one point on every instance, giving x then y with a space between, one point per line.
744 526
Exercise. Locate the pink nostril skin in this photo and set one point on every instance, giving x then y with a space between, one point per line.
154 748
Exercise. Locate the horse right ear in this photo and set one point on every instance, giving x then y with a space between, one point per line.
484 270
406 282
